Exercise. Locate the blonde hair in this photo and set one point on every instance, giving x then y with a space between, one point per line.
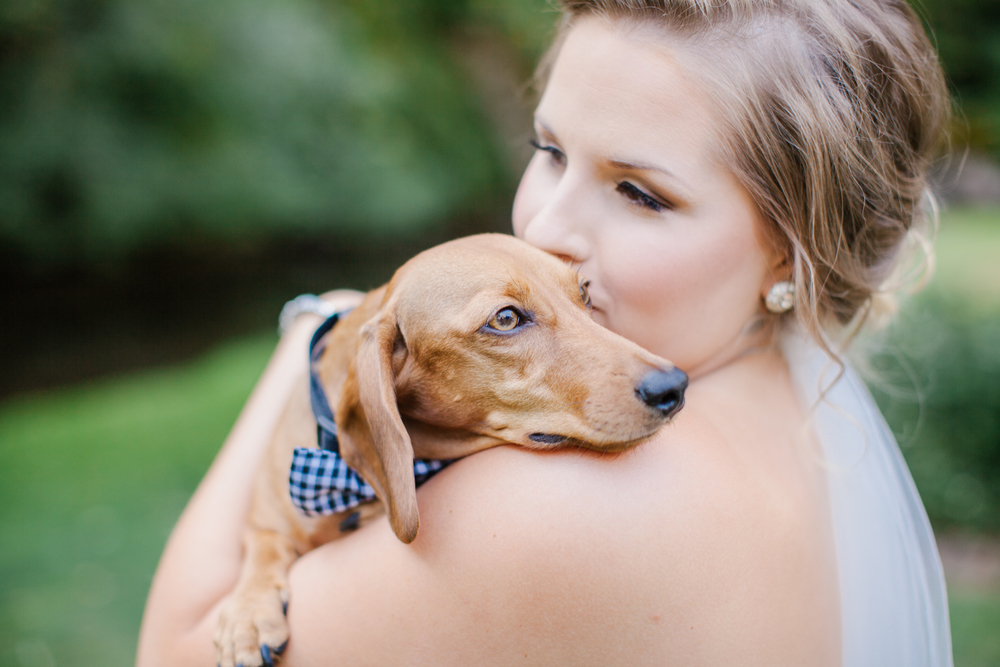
833 111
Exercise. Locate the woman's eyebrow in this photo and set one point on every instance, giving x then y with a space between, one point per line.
542 128
643 166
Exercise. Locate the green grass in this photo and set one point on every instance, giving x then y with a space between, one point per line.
975 628
93 477
91 480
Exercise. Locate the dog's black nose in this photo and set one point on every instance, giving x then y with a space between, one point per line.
663 390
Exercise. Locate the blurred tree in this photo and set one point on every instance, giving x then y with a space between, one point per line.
127 122
967 34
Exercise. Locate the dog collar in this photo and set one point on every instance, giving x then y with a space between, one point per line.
320 481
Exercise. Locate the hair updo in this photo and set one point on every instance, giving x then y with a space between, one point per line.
832 111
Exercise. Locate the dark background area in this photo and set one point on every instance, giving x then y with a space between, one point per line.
166 305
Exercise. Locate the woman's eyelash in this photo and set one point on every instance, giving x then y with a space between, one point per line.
637 196
557 155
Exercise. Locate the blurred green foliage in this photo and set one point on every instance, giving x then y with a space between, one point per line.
130 122
967 35
949 418
938 377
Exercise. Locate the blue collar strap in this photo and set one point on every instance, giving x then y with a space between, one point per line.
326 429
320 481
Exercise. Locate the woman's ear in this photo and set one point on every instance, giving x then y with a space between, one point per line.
778 291
780 268
373 439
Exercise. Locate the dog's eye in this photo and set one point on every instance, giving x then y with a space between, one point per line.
505 320
584 294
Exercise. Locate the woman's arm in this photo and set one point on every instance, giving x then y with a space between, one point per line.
202 558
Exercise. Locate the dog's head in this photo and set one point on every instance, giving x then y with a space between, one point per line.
484 341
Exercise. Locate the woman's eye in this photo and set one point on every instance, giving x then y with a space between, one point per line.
637 196
558 156
506 319
584 294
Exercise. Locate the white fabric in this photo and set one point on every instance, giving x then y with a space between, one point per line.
892 592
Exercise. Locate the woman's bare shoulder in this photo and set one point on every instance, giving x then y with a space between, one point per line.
681 550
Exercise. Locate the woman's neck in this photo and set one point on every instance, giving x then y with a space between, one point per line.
756 337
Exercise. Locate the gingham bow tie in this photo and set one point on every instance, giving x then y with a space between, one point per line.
320 481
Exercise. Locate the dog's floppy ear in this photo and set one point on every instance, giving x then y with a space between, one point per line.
368 421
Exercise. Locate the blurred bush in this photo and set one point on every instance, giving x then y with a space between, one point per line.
129 122
938 377
944 402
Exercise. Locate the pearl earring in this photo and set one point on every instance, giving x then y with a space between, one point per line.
781 297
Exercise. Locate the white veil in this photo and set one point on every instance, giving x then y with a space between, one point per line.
893 603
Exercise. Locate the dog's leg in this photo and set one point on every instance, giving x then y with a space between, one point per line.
252 628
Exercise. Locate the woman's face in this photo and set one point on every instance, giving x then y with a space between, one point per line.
625 184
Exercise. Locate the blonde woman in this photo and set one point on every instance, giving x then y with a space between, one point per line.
739 181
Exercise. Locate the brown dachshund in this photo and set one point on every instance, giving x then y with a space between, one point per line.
475 343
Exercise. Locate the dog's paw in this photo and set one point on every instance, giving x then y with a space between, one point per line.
252 629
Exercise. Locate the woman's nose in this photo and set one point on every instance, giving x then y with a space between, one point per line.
560 230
